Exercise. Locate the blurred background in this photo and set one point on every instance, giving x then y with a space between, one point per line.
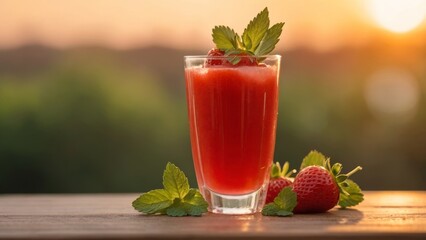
92 95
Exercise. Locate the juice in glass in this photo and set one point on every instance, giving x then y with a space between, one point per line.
232 116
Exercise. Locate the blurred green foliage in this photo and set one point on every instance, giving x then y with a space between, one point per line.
95 121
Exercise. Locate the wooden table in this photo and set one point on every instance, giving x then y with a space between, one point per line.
383 215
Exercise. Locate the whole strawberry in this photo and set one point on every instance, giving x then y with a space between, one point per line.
279 180
319 186
316 190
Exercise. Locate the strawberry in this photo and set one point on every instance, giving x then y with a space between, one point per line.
320 186
247 60
279 180
230 59
214 52
316 190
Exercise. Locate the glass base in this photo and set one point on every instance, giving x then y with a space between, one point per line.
236 204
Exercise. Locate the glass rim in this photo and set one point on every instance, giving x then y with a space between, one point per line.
273 56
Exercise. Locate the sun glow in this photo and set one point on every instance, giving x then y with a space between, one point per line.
398 16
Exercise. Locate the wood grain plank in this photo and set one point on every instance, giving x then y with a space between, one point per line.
383 215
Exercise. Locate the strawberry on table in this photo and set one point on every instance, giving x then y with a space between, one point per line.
318 187
316 190
279 180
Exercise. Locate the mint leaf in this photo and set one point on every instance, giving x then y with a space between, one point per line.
175 182
257 40
270 209
270 39
313 158
153 201
354 195
177 209
224 37
256 30
176 199
193 205
283 204
286 199
195 198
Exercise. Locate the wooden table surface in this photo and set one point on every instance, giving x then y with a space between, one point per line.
383 215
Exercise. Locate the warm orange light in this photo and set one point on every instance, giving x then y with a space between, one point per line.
398 16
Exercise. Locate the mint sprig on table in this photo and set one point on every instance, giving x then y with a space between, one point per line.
282 205
257 39
177 199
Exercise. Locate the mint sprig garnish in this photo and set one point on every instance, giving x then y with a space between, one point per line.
257 39
224 37
350 192
255 31
282 205
176 199
270 39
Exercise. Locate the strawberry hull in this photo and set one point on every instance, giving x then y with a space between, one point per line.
232 114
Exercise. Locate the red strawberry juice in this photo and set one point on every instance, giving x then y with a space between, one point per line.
233 116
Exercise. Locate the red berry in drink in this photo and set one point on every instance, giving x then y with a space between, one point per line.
214 52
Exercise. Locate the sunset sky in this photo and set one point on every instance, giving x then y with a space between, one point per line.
320 24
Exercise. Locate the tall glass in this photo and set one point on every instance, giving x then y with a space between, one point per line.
232 116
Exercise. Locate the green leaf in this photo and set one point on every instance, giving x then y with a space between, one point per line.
276 170
177 209
234 59
257 39
341 178
270 209
355 195
286 199
248 43
153 201
195 204
283 204
284 171
224 37
175 182
256 30
176 199
336 169
194 197
284 213
271 38
239 43
313 158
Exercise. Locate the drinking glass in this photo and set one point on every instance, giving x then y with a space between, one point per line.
232 112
